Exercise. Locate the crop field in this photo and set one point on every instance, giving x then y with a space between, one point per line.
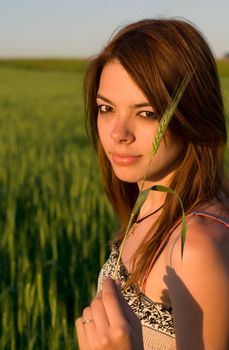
55 220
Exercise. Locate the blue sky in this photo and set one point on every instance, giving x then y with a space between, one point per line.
71 28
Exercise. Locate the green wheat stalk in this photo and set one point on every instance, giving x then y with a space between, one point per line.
143 194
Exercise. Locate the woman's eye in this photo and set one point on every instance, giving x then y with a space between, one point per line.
104 109
148 114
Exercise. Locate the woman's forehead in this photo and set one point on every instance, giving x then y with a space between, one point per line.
116 83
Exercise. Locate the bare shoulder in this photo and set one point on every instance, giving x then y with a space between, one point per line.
206 238
198 284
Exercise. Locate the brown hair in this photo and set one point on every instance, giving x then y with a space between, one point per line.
158 54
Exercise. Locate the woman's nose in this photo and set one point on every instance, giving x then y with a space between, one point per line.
122 132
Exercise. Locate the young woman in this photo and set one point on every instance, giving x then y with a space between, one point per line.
160 301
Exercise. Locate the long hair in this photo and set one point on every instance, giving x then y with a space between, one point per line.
158 54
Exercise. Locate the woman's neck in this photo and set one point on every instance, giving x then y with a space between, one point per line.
155 199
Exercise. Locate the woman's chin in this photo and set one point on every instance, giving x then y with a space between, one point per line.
131 178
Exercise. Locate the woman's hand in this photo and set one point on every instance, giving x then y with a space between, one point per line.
109 322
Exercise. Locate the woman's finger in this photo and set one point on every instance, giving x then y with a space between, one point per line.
89 326
134 321
127 310
81 335
112 305
99 314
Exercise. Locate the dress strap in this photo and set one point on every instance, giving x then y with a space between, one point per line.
218 218
221 219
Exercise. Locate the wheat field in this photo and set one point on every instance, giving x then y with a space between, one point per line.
55 220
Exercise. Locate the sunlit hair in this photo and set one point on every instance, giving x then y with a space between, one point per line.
158 54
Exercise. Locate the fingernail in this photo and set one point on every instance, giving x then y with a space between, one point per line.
118 282
99 294
108 278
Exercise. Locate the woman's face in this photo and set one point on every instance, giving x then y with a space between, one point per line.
127 125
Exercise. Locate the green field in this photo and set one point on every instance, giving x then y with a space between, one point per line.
55 220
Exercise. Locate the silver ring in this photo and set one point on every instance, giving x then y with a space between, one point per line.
87 321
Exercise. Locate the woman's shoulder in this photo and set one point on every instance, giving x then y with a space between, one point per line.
207 235
198 282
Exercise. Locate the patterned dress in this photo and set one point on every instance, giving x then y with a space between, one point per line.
157 323
156 320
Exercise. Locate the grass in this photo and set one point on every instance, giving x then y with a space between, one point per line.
46 64
53 218
223 67
55 223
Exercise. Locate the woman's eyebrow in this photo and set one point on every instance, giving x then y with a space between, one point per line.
104 99
138 105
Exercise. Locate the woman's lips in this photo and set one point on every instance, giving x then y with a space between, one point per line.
124 159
